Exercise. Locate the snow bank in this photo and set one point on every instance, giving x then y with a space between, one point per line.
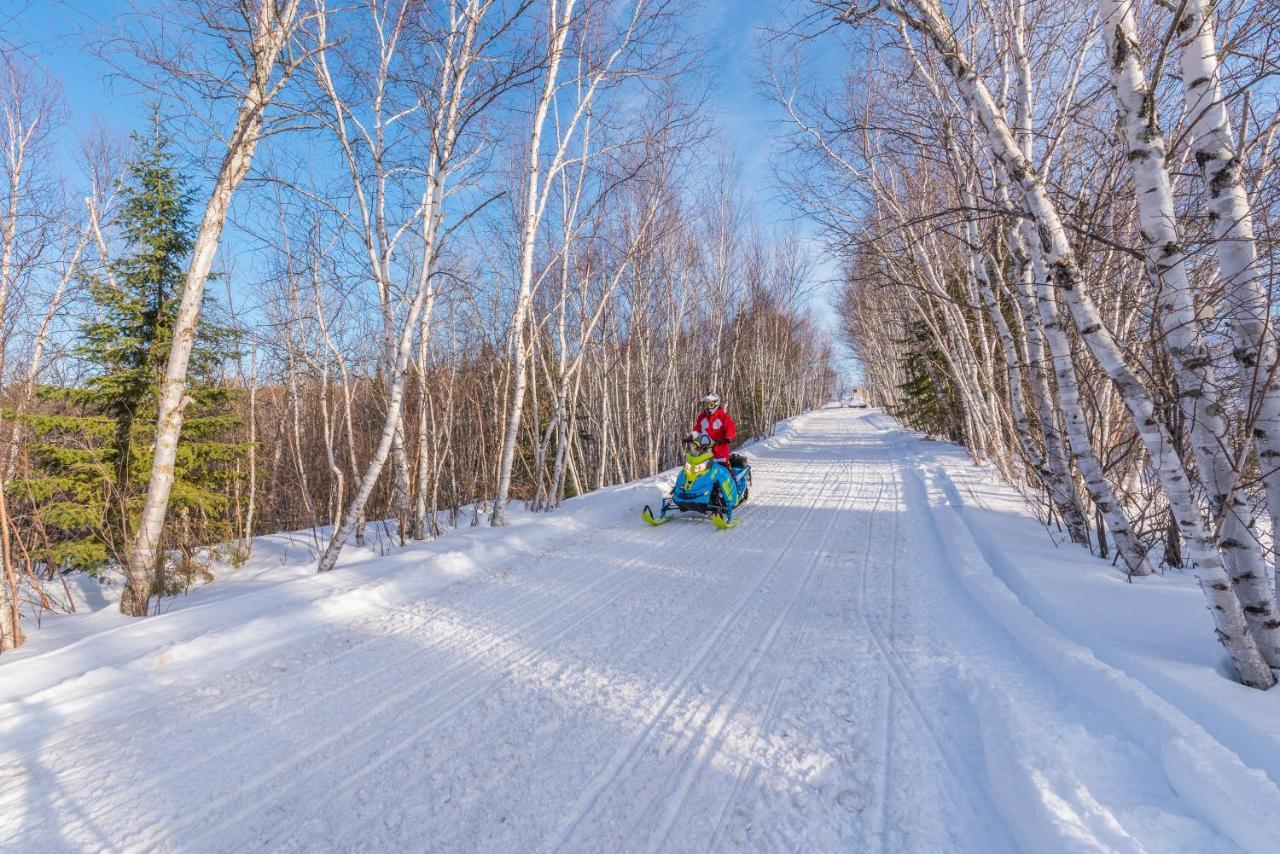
275 596
1144 653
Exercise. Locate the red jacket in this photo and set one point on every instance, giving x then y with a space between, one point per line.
718 427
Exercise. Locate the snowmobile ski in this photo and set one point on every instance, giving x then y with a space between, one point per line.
648 516
719 522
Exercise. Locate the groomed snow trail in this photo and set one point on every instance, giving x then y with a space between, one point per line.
816 680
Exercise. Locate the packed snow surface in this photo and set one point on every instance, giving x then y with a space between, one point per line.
890 654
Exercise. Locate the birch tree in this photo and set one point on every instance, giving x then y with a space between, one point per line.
37 231
597 66
259 40
927 17
1167 268
457 96
1247 301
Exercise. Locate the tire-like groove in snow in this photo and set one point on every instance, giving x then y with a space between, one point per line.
513 607
899 674
534 648
618 762
747 766
693 767
573 616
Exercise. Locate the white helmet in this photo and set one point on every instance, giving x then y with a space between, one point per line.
710 400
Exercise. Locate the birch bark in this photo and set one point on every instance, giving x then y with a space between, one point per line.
1229 619
542 170
273 25
1247 304
1166 268
458 58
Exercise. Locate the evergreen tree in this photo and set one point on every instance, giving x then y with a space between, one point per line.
93 452
924 405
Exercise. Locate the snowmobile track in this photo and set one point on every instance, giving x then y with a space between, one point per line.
695 763
898 672
619 762
406 704
746 765
459 693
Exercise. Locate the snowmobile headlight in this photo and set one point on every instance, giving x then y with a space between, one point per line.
697 468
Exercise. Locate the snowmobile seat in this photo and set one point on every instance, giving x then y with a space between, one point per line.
737 461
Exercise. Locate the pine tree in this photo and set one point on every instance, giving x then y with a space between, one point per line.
925 406
92 452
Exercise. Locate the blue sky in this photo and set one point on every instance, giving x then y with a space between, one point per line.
741 111
58 31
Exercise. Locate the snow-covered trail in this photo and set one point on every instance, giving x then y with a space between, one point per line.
816 680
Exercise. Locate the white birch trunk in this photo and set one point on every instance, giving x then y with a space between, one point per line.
1166 267
529 219
1246 303
1016 239
457 59
355 512
1051 466
274 26
1078 443
1055 452
1229 619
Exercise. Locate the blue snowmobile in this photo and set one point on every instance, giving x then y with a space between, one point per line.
706 485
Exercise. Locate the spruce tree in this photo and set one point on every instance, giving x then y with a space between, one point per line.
93 452
924 405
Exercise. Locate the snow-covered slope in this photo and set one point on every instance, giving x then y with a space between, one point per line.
889 655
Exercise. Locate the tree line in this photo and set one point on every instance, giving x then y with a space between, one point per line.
472 252
1058 224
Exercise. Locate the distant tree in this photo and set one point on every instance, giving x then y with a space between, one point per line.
928 402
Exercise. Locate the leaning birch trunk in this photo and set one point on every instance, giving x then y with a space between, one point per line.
1055 455
274 23
1078 443
1013 374
395 401
528 234
1246 303
423 299
1030 283
1051 466
1232 628
328 430
1167 270
451 114
347 418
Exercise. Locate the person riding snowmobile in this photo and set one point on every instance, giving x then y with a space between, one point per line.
714 423
713 480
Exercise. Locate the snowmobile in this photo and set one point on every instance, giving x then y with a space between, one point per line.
705 486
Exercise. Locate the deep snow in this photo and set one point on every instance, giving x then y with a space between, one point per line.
890 654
